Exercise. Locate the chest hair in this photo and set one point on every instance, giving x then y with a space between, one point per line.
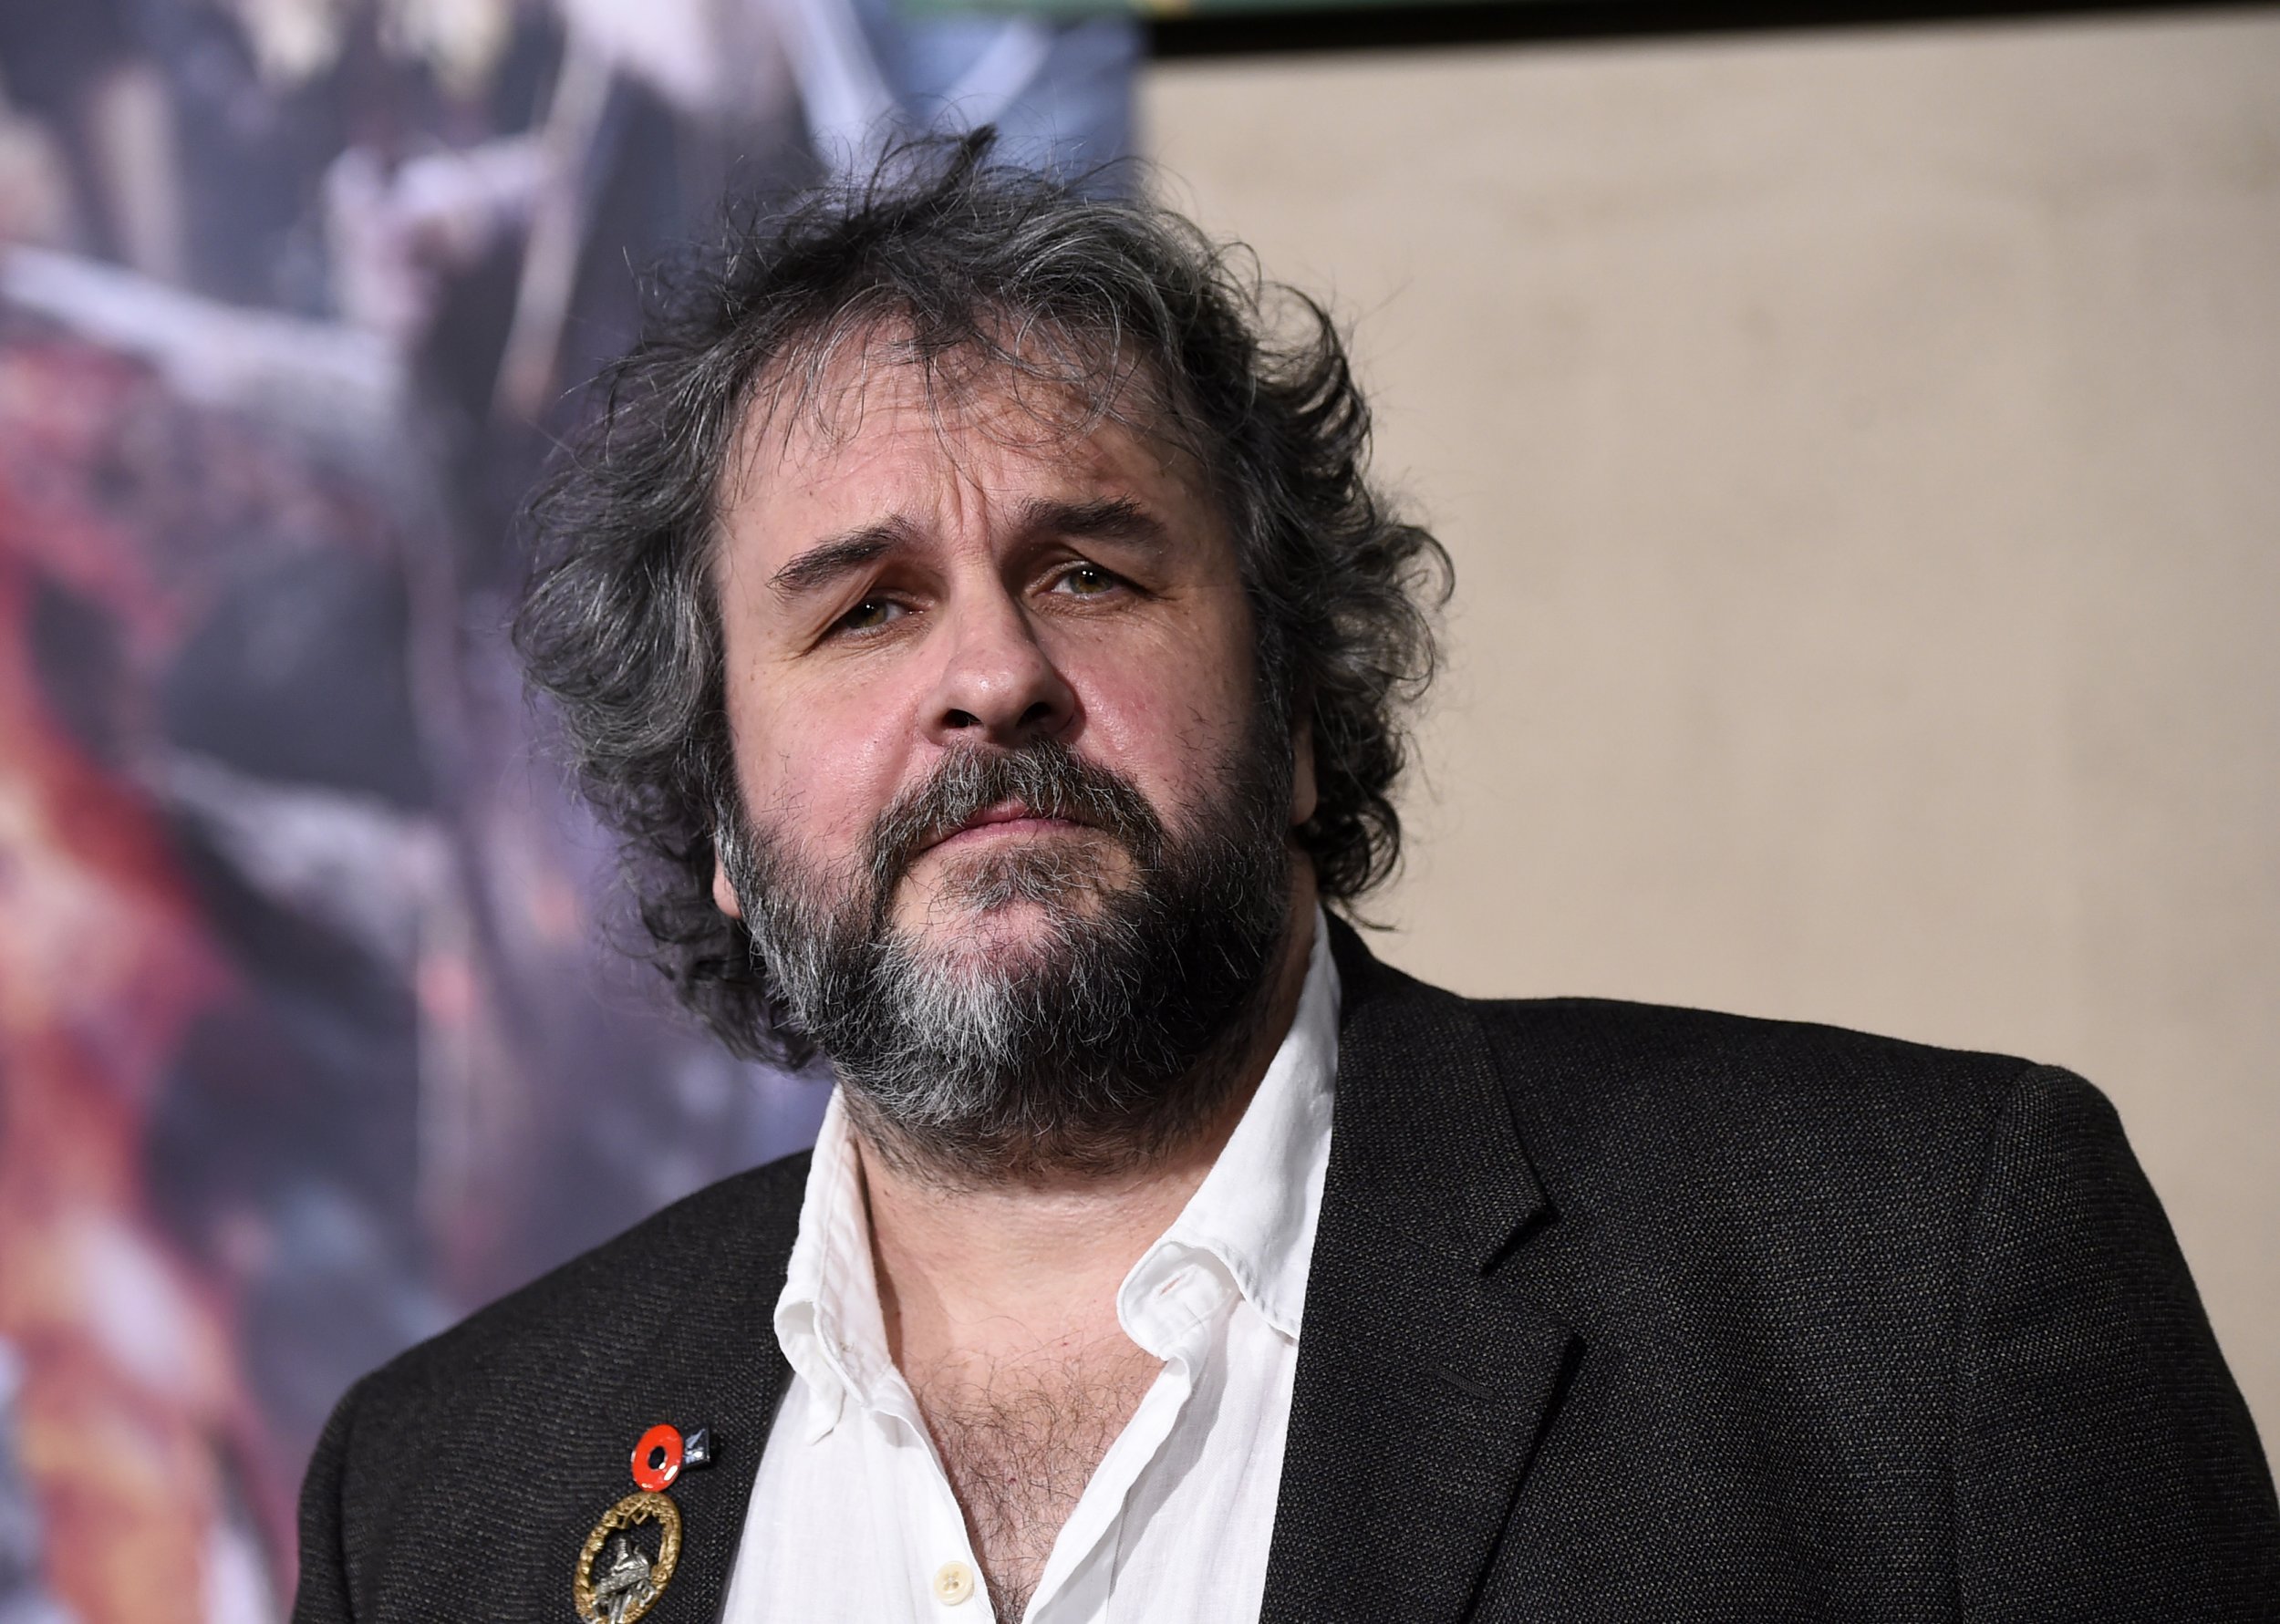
1019 1440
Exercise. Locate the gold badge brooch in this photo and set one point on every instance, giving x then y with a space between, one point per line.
616 1580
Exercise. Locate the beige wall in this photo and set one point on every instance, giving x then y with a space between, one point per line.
1861 458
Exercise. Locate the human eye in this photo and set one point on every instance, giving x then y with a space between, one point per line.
873 614
1086 580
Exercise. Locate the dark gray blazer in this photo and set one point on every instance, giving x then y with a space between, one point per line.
1616 1313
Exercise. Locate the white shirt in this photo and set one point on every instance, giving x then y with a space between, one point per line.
852 1517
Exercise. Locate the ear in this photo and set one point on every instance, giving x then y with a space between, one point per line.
1302 791
724 894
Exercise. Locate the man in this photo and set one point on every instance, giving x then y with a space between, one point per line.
982 630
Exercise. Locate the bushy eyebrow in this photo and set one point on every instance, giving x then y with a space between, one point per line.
842 556
1113 518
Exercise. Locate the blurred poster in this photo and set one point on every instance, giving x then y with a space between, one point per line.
310 1040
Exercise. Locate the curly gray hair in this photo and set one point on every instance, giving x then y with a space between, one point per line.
960 259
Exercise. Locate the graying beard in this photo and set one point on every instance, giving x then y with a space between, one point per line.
939 1037
965 1071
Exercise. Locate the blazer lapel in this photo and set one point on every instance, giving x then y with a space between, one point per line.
712 1362
1423 1382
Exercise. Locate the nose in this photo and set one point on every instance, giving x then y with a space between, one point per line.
998 685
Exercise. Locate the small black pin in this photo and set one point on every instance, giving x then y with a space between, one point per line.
696 1449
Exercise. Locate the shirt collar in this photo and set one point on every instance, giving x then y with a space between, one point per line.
1255 1213
827 1318
1256 1209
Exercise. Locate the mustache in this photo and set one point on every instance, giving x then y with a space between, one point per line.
1044 775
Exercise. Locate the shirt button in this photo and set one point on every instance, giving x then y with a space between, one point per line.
953 1583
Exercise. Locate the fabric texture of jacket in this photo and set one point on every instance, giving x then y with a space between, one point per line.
1615 1313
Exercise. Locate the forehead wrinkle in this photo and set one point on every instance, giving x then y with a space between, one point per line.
1064 382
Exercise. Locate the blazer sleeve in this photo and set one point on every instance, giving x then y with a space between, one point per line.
321 1593
2106 1466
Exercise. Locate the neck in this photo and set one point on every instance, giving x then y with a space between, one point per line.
1025 1267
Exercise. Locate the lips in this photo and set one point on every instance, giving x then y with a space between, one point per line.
1009 817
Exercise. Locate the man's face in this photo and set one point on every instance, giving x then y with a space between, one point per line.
990 678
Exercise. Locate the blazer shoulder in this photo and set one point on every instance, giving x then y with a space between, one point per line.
1717 1171
738 1223
1609 1055
1605 1093
1665 1047
1749 1105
